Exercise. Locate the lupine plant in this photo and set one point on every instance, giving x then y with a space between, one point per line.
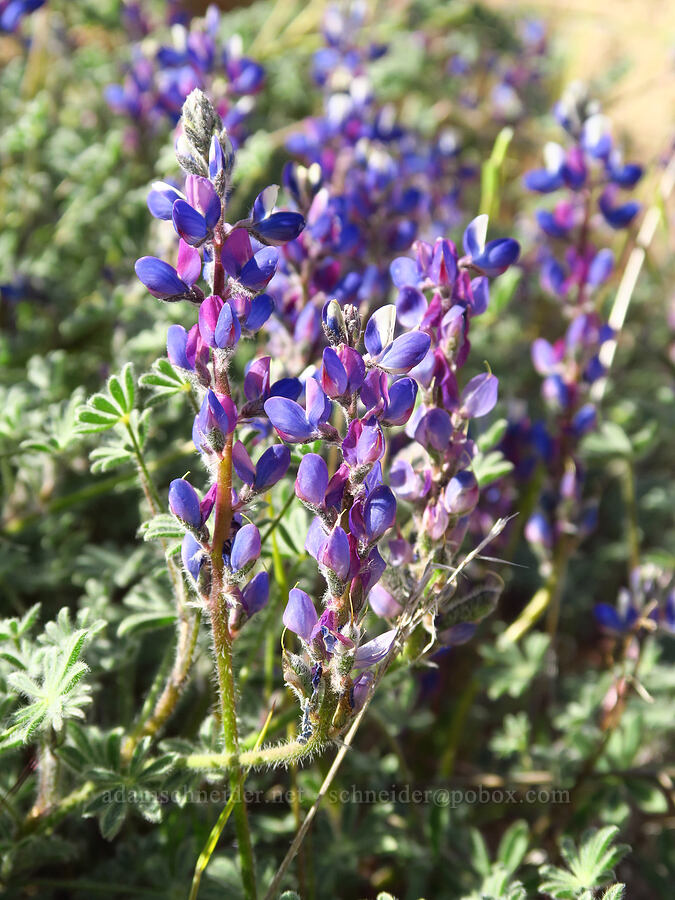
366 383
157 81
587 179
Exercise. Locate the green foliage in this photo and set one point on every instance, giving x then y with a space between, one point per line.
497 877
47 674
73 213
511 670
119 787
104 411
587 868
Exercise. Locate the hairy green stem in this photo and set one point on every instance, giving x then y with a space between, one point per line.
47 770
222 639
154 719
222 643
65 805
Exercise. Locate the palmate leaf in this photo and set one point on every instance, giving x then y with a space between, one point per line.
103 411
52 685
120 787
163 382
496 877
588 868
498 885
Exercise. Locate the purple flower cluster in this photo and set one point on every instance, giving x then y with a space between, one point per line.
367 186
158 80
406 381
237 265
383 403
586 178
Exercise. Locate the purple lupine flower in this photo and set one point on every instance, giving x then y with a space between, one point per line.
255 594
186 349
461 493
620 620
177 348
218 323
489 259
374 651
435 520
300 615
383 603
335 554
242 463
334 322
363 444
312 479
379 512
546 357
165 282
395 355
343 371
193 555
162 198
584 419
558 223
252 270
216 419
334 378
617 216
270 468
404 353
203 197
184 502
14 11
292 422
538 530
245 548
479 397
361 689
273 227
402 396
434 430
405 482
189 224
411 305
262 307
600 268
543 181
624 175
257 385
